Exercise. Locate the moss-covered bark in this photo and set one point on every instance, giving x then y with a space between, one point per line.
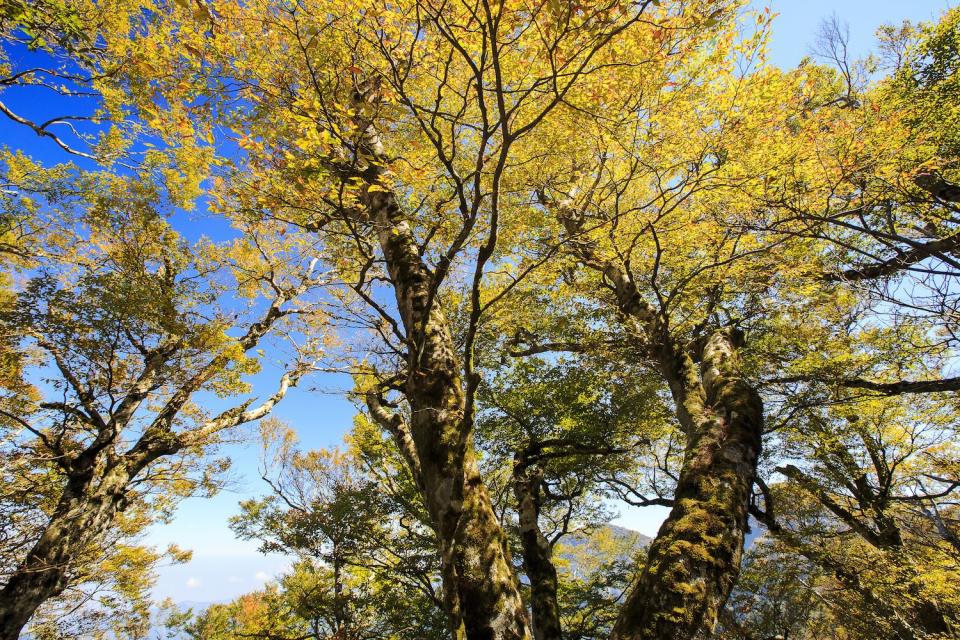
695 558
480 587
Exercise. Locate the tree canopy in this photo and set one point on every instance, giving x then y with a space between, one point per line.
575 257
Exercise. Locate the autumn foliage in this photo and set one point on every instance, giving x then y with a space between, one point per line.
573 256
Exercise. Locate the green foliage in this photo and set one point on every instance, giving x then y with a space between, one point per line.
781 594
366 568
119 324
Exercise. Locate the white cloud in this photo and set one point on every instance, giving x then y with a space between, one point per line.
233 579
192 583
262 576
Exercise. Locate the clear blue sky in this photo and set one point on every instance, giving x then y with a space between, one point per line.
223 567
796 26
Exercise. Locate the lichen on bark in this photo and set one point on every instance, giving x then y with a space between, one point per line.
694 560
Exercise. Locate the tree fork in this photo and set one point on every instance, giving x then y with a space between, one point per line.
473 545
695 558
480 586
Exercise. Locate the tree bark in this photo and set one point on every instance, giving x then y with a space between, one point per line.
79 520
479 581
695 558
537 554
97 484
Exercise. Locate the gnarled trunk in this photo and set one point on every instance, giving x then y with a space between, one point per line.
480 587
537 554
78 521
695 559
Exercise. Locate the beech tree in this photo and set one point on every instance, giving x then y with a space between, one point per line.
411 181
571 451
368 562
421 185
887 232
770 253
124 325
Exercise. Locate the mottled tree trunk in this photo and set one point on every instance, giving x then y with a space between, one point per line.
695 558
479 581
537 554
78 521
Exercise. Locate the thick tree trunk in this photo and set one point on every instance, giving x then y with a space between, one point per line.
537 554
479 581
694 561
78 521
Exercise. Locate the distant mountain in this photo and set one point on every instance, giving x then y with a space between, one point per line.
620 534
623 532
575 559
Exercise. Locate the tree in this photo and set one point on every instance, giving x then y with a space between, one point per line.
771 250
404 231
420 184
643 213
864 416
752 257
781 595
261 613
125 325
863 509
367 566
97 65
568 444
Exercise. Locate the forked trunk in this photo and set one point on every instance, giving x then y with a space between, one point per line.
480 587
695 559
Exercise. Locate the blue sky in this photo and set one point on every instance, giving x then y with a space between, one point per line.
224 567
796 26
